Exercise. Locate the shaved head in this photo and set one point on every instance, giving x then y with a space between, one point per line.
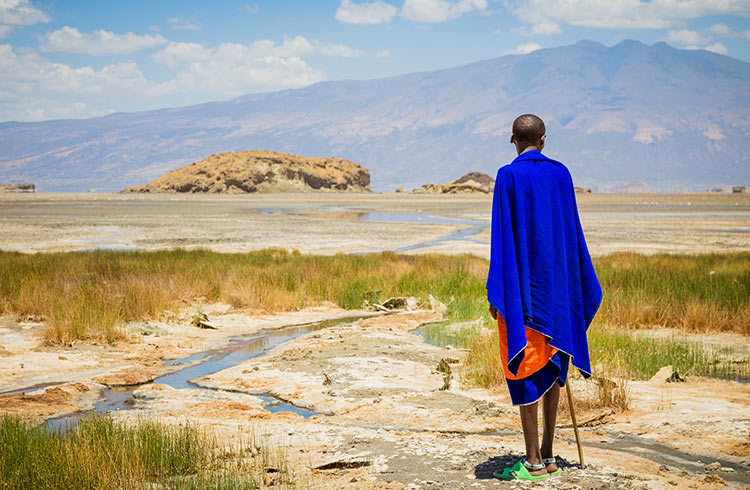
528 130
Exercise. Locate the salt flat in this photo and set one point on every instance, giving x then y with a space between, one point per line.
355 401
355 223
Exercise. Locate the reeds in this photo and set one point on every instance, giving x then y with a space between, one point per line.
622 353
91 295
641 356
692 292
102 454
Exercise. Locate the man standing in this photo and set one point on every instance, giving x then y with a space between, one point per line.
541 287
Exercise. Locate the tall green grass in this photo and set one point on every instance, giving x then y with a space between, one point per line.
622 352
91 295
102 454
641 356
692 292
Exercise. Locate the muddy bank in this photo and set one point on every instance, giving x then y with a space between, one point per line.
368 404
149 352
373 372
384 420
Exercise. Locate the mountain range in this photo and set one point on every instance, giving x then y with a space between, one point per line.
665 118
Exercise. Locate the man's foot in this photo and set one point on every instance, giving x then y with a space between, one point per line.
523 470
550 464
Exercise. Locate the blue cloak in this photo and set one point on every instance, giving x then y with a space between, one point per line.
541 275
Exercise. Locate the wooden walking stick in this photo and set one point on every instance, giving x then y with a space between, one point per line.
575 424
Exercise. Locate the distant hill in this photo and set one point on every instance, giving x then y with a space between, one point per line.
27 187
471 183
655 114
261 171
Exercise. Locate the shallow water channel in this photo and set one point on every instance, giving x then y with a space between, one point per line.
239 349
474 227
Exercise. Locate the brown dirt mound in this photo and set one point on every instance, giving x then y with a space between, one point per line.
28 187
471 183
261 171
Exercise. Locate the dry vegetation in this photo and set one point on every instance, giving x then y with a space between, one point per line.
698 293
102 454
91 295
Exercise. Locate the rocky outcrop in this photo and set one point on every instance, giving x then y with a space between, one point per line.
262 171
471 183
27 187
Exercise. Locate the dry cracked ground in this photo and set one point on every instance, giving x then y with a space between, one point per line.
356 400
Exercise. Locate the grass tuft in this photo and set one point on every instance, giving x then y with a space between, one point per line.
102 454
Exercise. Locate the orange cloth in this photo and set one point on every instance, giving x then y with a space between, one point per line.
537 352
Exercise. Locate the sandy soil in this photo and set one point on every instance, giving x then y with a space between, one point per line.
385 416
353 223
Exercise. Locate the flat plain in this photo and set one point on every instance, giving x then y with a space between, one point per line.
362 398
355 223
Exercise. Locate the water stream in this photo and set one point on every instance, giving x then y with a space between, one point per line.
474 227
238 350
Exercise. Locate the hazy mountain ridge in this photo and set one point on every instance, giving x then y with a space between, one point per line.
652 113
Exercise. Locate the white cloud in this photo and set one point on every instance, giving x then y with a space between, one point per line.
251 9
717 48
71 40
623 14
296 47
35 88
542 28
524 49
383 54
180 24
439 10
339 50
235 69
19 13
726 31
175 53
546 28
720 29
687 37
365 12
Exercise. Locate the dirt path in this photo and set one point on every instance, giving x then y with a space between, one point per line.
378 413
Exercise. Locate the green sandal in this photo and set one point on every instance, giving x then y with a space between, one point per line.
553 461
521 470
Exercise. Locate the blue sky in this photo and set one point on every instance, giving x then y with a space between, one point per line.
61 59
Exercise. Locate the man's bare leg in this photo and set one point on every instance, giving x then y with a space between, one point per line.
531 436
549 410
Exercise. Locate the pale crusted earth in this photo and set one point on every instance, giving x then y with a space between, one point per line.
381 419
381 416
354 223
